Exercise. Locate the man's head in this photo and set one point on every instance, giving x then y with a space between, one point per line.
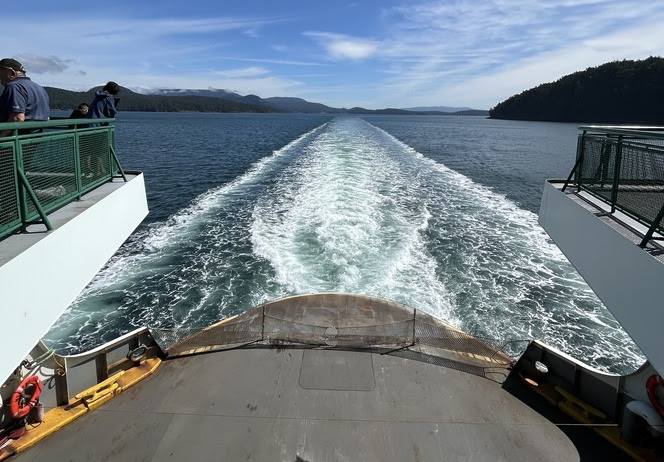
83 108
10 69
112 88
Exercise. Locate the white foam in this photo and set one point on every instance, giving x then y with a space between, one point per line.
351 208
508 268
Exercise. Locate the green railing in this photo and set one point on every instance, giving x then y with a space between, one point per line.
45 165
624 166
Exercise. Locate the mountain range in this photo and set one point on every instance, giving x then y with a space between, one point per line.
290 104
627 91
438 108
217 100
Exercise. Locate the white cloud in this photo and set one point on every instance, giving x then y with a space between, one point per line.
463 53
274 61
351 49
252 32
40 64
344 47
488 89
246 72
197 26
470 53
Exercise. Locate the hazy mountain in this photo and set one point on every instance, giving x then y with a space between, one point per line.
215 100
287 104
471 112
290 104
437 109
212 93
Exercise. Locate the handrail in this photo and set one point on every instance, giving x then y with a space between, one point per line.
624 166
652 132
108 358
46 165
50 124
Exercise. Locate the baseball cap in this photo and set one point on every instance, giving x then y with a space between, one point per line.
9 63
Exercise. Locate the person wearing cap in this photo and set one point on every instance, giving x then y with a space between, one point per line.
22 99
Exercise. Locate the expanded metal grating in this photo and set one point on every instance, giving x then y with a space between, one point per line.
398 334
627 173
268 330
282 330
94 156
9 216
60 164
596 172
50 168
438 361
641 186
178 342
442 337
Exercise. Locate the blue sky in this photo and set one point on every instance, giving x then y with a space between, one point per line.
372 53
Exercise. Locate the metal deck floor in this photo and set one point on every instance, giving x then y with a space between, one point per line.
289 404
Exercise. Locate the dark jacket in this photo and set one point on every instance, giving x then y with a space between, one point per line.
77 114
102 106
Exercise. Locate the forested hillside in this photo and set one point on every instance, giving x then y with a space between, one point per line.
130 101
218 101
617 92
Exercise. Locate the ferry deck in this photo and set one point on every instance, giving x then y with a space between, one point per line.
322 376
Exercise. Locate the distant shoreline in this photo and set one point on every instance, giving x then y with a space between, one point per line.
65 113
224 102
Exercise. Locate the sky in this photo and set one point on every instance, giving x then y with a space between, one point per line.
373 54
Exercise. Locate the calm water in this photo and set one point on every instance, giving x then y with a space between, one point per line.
435 212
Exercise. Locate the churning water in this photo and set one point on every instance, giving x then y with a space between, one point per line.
343 205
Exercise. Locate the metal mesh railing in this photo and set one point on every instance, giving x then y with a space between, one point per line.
397 334
42 171
93 156
9 212
177 342
626 169
271 330
439 336
49 166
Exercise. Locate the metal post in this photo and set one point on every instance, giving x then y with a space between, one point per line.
604 159
263 326
117 162
62 387
133 343
22 202
35 201
414 317
101 364
652 228
580 148
77 163
616 174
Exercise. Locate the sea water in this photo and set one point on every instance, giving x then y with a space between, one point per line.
435 212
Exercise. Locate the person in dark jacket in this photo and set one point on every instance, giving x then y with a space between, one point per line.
81 112
105 102
104 105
